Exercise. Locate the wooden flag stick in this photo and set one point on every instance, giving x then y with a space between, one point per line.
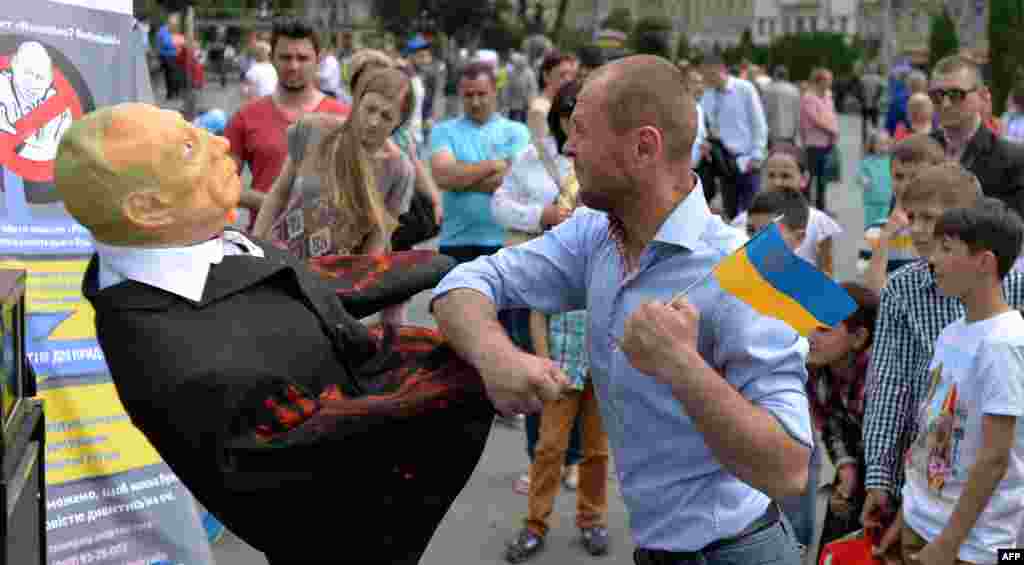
704 277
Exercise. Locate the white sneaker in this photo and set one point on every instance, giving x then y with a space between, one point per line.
523 483
571 477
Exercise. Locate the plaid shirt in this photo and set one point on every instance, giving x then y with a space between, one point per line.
567 337
912 314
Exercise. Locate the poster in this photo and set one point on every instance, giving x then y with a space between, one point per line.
110 499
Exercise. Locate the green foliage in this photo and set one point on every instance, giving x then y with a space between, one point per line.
651 36
942 40
620 19
464 17
744 50
1006 19
572 39
802 52
683 49
503 36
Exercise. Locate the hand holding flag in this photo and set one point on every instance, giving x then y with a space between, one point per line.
769 277
765 274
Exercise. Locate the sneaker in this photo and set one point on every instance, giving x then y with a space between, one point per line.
571 477
524 546
512 422
595 540
523 483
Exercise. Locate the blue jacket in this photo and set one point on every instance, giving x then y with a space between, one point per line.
165 43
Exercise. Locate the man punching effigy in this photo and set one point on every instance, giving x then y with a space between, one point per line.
311 437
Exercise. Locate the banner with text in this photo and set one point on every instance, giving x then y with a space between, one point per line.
110 499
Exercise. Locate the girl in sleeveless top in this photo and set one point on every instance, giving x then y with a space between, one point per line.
344 183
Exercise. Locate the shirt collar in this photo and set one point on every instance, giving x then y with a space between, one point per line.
686 224
179 270
730 84
927 276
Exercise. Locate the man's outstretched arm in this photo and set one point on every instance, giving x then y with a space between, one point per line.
516 381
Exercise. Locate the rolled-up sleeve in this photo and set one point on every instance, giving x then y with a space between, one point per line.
765 360
547 273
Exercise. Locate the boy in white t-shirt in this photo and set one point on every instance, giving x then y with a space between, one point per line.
964 492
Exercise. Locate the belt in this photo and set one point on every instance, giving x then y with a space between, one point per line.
663 557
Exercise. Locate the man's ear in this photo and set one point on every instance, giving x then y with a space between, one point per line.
805 180
148 209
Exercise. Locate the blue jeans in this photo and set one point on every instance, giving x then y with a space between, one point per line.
802 508
816 158
771 546
747 185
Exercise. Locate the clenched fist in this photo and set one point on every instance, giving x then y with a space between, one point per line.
655 331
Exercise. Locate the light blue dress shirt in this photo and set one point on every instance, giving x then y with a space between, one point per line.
467 215
679 496
737 117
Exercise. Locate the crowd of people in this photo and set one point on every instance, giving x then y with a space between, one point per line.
573 188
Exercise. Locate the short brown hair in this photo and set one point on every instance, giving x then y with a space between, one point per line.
955 64
647 90
919 149
473 71
948 182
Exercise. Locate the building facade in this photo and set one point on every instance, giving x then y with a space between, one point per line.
710 23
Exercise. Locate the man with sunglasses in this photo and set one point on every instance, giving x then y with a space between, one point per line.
959 96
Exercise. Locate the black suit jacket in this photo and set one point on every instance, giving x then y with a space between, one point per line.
198 378
998 164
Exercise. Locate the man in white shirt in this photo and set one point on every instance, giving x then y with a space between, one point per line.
736 118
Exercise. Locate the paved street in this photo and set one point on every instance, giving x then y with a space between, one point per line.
489 511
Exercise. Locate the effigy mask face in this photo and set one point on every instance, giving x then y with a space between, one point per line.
134 173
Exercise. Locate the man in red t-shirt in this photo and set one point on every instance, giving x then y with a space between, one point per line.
258 130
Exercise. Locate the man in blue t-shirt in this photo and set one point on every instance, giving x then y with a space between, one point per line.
470 155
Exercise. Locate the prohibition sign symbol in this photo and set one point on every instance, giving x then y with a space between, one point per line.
72 94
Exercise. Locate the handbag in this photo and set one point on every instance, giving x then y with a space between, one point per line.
854 549
416 225
833 165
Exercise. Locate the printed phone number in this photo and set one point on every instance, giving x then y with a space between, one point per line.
96 555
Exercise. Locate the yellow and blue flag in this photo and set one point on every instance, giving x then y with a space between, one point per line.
769 277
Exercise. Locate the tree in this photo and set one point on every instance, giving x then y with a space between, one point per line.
563 7
452 17
683 49
1006 18
942 39
620 19
800 53
744 50
651 37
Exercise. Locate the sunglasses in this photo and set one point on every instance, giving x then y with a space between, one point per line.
955 95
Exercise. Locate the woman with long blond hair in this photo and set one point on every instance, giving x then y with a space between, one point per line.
343 185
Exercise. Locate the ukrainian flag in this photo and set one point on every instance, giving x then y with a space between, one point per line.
772 280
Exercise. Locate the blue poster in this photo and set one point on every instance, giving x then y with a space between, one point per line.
110 498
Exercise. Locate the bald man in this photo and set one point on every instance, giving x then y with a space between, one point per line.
244 370
702 399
